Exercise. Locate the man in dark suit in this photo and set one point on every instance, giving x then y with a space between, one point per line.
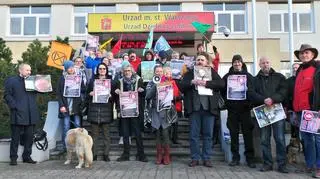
24 113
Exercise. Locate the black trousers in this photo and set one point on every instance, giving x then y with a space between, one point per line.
132 125
27 138
235 120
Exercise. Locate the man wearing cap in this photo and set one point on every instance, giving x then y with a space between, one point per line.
163 59
239 113
134 60
270 87
306 96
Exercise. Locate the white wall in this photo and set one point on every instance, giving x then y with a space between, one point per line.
191 7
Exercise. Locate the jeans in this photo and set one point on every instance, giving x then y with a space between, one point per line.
201 120
66 126
311 149
278 135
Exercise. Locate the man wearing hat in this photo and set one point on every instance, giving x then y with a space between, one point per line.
134 59
306 96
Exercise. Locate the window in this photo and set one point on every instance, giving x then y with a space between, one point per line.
80 16
159 7
302 17
231 15
30 20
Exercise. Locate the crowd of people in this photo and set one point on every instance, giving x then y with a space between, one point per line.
298 93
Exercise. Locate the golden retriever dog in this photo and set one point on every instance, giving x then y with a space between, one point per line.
79 141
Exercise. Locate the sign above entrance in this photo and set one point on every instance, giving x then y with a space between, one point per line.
142 22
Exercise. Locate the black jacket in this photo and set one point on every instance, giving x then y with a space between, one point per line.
22 103
273 86
63 101
100 113
125 88
188 89
238 105
316 90
289 99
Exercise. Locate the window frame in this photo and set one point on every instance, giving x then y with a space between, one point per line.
159 7
21 16
283 12
232 14
85 14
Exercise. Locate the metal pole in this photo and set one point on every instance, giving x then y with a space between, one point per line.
291 57
254 37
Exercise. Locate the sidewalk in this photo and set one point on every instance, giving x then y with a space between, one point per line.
113 170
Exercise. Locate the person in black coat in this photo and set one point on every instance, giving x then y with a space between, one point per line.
202 110
68 106
24 113
270 87
130 82
239 112
100 115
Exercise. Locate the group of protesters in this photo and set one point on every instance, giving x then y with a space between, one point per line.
268 87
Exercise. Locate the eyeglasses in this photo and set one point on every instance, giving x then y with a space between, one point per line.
201 59
102 68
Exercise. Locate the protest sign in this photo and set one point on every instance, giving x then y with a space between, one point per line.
101 90
129 105
268 115
40 83
237 87
72 86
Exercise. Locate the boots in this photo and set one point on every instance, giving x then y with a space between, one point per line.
166 157
125 156
159 154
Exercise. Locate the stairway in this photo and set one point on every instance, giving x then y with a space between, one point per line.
180 150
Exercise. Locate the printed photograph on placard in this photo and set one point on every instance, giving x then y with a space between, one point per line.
115 66
237 87
165 96
310 122
72 86
147 70
268 115
189 61
40 83
92 43
102 90
203 73
129 106
176 68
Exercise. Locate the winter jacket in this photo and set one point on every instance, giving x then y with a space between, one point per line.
100 113
273 86
22 104
188 89
238 105
63 101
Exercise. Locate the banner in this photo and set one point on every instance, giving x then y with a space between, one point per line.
143 22
203 73
189 61
176 68
72 86
147 70
59 52
237 87
40 83
161 45
105 43
101 90
310 122
165 96
129 105
117 47
149 42
268 115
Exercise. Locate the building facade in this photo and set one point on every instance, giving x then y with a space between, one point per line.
24 21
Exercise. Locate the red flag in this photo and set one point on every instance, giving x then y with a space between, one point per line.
117 47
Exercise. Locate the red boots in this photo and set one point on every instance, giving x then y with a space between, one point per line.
159 154
166 157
